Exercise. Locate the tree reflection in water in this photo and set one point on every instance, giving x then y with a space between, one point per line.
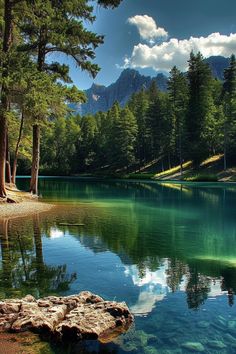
23 269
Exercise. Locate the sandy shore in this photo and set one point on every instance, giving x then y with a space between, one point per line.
25 204
24 208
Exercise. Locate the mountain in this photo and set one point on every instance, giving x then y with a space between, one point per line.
218 64
101 98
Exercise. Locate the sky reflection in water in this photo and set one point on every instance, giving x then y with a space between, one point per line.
167 250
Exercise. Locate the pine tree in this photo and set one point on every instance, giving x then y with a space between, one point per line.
113 117
201 108
229 99
139 105
124 138
7 41
159 127
86 149
57 26
178 98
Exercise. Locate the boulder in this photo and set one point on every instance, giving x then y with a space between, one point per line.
75 317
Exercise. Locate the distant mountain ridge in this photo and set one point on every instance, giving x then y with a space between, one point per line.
101 98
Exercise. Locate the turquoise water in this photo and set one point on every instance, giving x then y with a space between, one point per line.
168 250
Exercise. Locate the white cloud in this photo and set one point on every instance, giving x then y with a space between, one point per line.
147 28
162 57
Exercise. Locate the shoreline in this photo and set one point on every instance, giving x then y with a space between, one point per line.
21 204
23 209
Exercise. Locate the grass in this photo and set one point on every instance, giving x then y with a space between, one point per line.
173 170
211 160
202 177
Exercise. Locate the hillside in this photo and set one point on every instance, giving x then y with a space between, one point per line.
210 170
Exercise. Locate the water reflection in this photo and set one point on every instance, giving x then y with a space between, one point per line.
23 269
167 250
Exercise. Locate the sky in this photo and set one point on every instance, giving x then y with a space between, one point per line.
152 36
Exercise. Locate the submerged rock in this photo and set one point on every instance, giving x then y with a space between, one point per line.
203 324
194 346
76 317
217 344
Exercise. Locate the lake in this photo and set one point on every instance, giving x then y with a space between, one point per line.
167 249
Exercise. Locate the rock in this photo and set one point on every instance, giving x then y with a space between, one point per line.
193 346
82 316
217 344
203 324
150 350
232 324
142 338
129 347
230 338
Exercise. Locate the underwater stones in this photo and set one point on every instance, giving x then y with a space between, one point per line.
142 339
203 324
232 325
138 341
82 316
193 346
150 350
217 344
129 347
230 338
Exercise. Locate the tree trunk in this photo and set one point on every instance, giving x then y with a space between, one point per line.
7 41
13 177
180 156
169 162
8 163
225 143
162 164
35 159
3 128
36 127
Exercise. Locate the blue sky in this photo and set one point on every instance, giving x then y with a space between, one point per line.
153 35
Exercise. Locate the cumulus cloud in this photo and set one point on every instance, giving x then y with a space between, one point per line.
162 57
147 28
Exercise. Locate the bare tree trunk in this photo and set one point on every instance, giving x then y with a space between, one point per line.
13 177
225 140
35 159
7 41
180 156
169 162
8 162
3 128
36 127
162 165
